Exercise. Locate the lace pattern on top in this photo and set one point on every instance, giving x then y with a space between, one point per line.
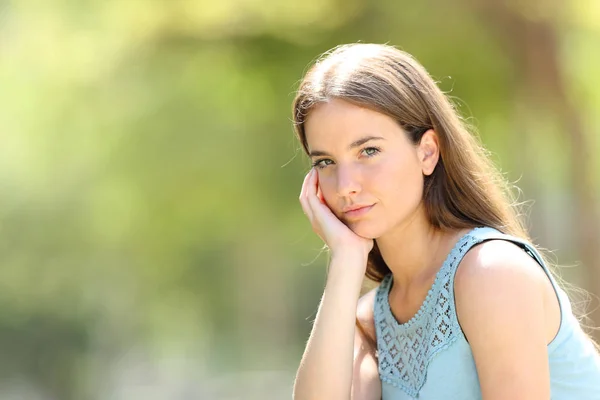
405 350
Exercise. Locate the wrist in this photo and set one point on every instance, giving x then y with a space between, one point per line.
352 255
353 263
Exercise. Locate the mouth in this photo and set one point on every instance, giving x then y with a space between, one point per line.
358 211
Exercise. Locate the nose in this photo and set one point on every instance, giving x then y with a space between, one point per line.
348 181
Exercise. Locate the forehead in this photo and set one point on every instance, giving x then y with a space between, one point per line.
339 122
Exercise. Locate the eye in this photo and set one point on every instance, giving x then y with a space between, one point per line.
371 151
322 163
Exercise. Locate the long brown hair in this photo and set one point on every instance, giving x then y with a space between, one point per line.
465 190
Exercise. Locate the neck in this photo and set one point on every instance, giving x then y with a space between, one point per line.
416 250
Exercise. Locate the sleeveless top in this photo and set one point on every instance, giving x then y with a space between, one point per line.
429 358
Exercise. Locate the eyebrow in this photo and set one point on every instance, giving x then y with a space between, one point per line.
356 143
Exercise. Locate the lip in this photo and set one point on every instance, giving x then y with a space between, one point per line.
357 211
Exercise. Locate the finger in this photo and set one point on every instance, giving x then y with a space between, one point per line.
320 195
314 196
312 184
305 183
306 209
304 195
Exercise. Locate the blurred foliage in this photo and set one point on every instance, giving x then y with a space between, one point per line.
151 243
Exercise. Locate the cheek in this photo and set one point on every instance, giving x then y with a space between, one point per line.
402 182
327 186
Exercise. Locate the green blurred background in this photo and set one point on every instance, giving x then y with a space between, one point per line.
151 241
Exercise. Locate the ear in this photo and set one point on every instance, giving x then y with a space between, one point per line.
428 151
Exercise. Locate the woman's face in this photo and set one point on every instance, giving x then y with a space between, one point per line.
364 158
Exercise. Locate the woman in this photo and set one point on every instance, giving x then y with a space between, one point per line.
401 192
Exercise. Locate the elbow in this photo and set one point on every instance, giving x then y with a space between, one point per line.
320 384
302 393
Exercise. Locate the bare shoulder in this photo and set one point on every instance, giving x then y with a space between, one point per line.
496 271
498 280
507 309
498 262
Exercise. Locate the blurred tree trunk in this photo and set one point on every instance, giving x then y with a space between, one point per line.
532 42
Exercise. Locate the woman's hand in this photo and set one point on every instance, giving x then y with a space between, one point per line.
339 238
326 369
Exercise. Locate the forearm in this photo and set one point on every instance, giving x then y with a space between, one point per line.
326 368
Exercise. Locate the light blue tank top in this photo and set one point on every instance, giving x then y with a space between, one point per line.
429 358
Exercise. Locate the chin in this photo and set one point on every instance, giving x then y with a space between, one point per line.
365 229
